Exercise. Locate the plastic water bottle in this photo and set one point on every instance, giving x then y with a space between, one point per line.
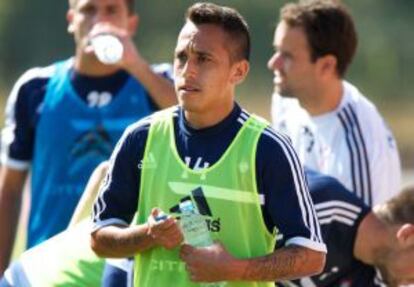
195 231
108 48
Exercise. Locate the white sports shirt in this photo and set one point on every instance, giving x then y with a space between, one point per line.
351 143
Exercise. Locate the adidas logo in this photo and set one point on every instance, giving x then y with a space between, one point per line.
148 163
197 196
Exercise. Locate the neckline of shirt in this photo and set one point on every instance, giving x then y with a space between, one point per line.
84 84
344 100
226 123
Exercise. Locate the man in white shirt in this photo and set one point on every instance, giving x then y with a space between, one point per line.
334 128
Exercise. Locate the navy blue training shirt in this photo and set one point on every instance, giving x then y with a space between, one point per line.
287 205
340 213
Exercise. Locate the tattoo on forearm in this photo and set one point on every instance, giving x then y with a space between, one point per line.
127 242
282 264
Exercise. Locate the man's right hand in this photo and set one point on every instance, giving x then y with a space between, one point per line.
166 232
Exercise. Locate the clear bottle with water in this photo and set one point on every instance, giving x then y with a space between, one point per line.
195 231
108 48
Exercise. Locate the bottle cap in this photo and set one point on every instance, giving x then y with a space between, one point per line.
187 206
108 48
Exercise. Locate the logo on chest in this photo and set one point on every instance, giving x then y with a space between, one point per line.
198 197
97 99
308 138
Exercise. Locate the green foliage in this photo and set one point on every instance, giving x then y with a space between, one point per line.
33 35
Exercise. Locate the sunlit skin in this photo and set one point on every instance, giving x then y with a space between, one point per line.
91 17
205 75
88 18
390 248
399 266
291 62
314 83
401 271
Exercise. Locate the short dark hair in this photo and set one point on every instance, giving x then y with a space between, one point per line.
399 209
328 26
226 18
130 5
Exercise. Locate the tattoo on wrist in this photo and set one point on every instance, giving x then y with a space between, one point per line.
128 241
282 264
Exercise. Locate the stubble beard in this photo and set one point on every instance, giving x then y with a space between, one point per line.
284 92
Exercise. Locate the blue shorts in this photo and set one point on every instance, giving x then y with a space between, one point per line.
118 272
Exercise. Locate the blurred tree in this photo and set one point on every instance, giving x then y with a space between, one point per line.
31 35
34 34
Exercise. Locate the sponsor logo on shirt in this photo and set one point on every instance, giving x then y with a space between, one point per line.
89 149
198 198
95 141
309 138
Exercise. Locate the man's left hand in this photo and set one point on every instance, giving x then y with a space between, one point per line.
207 264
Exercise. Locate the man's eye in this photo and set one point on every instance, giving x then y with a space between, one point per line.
112 10
181 57
203 58
88 10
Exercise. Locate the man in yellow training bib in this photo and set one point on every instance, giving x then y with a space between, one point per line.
248 180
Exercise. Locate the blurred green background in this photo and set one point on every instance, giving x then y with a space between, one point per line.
33 33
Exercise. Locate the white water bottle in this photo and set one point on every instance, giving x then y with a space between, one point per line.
195 231
108 48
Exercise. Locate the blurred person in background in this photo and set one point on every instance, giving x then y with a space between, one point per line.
366 247
64 119
334 128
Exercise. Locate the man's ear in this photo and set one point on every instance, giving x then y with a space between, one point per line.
405 235
327 65
69 18
240 71
133 22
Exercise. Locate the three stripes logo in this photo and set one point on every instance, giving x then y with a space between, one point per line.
197 196
337 210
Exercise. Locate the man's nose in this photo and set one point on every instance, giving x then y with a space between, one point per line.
275 62
189 69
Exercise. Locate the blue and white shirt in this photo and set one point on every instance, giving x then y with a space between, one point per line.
287 205
64 124
351 143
